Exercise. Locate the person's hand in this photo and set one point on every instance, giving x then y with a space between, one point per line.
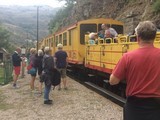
21 58
55 67
25 60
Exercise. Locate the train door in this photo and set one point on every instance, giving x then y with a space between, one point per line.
64 41
73 46
86 28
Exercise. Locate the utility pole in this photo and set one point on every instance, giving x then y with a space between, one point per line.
27 41
37 25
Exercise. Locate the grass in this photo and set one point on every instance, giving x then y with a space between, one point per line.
1 75
5 77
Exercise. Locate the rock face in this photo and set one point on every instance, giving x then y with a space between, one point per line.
131 12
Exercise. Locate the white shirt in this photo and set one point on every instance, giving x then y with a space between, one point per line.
113 32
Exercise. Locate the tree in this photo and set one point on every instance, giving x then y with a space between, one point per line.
61 15
4 38
156 6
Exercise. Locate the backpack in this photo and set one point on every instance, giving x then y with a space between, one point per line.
56 80
50 75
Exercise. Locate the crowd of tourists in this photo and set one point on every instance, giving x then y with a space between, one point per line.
41 63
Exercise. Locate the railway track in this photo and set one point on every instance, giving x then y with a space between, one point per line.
100 90
106 93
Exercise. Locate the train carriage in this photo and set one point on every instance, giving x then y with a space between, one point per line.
99 59
104 56
47 41
73 37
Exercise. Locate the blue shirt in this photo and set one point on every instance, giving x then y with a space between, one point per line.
92 42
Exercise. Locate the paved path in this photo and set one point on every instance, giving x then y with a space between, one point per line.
76 103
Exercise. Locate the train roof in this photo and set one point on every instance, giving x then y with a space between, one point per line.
101 20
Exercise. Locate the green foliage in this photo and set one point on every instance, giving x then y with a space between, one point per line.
156 6
4 35
63 13
4 38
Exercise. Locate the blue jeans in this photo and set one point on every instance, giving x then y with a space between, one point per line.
47 90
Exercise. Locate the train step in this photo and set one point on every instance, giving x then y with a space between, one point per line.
108 93
106 81
69 66
69 70
90 75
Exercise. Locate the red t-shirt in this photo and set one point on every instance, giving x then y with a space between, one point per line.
141 70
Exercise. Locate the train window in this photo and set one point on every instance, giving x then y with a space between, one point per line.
64 39
47 42
56 40
69 37
118 28
84 28
60 39
99 27
52 42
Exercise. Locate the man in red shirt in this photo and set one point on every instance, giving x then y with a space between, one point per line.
141 70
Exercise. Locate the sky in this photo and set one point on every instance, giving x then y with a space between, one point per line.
52 3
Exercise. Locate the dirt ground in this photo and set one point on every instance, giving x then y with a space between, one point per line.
76 103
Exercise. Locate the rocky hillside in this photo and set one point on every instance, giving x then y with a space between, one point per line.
131 12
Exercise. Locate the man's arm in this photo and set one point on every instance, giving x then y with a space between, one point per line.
66 60
113 80
119 72
55 60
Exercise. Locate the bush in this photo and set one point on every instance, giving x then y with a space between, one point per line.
156 6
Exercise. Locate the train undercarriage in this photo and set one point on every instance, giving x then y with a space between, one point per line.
98 81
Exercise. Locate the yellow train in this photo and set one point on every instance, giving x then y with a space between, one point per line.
101 57
94 62
73 37
104 56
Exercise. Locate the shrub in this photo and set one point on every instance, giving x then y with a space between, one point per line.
156 6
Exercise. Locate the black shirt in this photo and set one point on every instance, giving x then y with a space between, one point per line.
16 59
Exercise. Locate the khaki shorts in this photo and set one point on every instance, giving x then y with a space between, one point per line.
62 71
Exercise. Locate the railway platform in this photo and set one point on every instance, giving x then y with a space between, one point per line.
76 103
